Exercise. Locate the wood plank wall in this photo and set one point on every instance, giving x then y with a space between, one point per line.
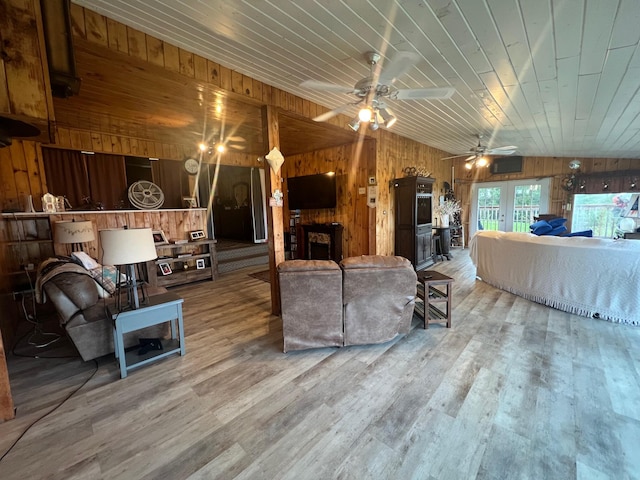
21 174
176 224
394 153
353 165
24 76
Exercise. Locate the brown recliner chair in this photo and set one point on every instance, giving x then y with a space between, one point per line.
83 314
378 298
311 301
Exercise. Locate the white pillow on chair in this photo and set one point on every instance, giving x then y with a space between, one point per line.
87 262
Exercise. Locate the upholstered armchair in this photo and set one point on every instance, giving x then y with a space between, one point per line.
378 298
311 300
84 315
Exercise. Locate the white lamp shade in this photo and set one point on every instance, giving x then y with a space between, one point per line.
127 246
74 232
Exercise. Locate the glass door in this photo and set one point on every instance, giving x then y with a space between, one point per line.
508 206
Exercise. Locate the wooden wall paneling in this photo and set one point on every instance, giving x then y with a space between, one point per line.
225 78
137 42
8 188
256 90
155 51
186 63
200 71
117 36
236 82
35 172
96 28
4 89
175 223
213 71
352 165
171 57
24 75
78 25
247 86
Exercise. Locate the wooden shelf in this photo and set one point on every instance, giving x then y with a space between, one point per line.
27 242
204 250
25 239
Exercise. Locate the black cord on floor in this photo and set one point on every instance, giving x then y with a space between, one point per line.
17 342
50 411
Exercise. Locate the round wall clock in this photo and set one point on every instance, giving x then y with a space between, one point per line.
191 166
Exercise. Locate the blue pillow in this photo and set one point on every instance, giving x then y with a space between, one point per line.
556 222
584 233
557 230
541 227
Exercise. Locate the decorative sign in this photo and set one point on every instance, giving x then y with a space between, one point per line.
276 199
275 159
49 203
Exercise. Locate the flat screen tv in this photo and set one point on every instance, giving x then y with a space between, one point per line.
312 191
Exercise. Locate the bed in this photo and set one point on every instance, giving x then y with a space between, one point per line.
593 277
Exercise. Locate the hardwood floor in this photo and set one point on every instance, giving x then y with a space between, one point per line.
515 390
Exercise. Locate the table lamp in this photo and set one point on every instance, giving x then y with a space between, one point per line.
128 248
74 233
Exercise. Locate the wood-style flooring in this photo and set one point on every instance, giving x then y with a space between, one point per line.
515 390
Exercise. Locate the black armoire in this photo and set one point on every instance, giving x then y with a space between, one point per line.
413 219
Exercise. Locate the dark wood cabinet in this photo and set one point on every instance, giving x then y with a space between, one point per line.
413 219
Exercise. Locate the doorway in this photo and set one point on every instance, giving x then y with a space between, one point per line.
508 206
238 210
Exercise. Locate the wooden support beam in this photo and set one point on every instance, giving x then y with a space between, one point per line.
274 214
7 411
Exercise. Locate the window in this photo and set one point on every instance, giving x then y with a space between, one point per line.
599 212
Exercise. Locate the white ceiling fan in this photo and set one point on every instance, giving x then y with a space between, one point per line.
373 91
477 154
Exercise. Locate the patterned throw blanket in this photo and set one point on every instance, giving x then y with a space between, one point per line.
104 276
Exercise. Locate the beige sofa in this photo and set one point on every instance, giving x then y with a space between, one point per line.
366 300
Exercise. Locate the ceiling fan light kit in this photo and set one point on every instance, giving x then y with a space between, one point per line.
374 90
478 154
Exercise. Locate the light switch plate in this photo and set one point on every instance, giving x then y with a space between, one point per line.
372 180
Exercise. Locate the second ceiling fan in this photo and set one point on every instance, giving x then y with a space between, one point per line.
477 154
374 91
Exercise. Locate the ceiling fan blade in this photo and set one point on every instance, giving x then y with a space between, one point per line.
236 139
436 93
323 117
454 156
399 64
326 86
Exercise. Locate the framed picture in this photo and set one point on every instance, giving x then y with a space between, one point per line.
190 202
197 235
159 238
200 263
165 269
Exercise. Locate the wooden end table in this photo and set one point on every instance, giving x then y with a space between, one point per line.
431 296
166 307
